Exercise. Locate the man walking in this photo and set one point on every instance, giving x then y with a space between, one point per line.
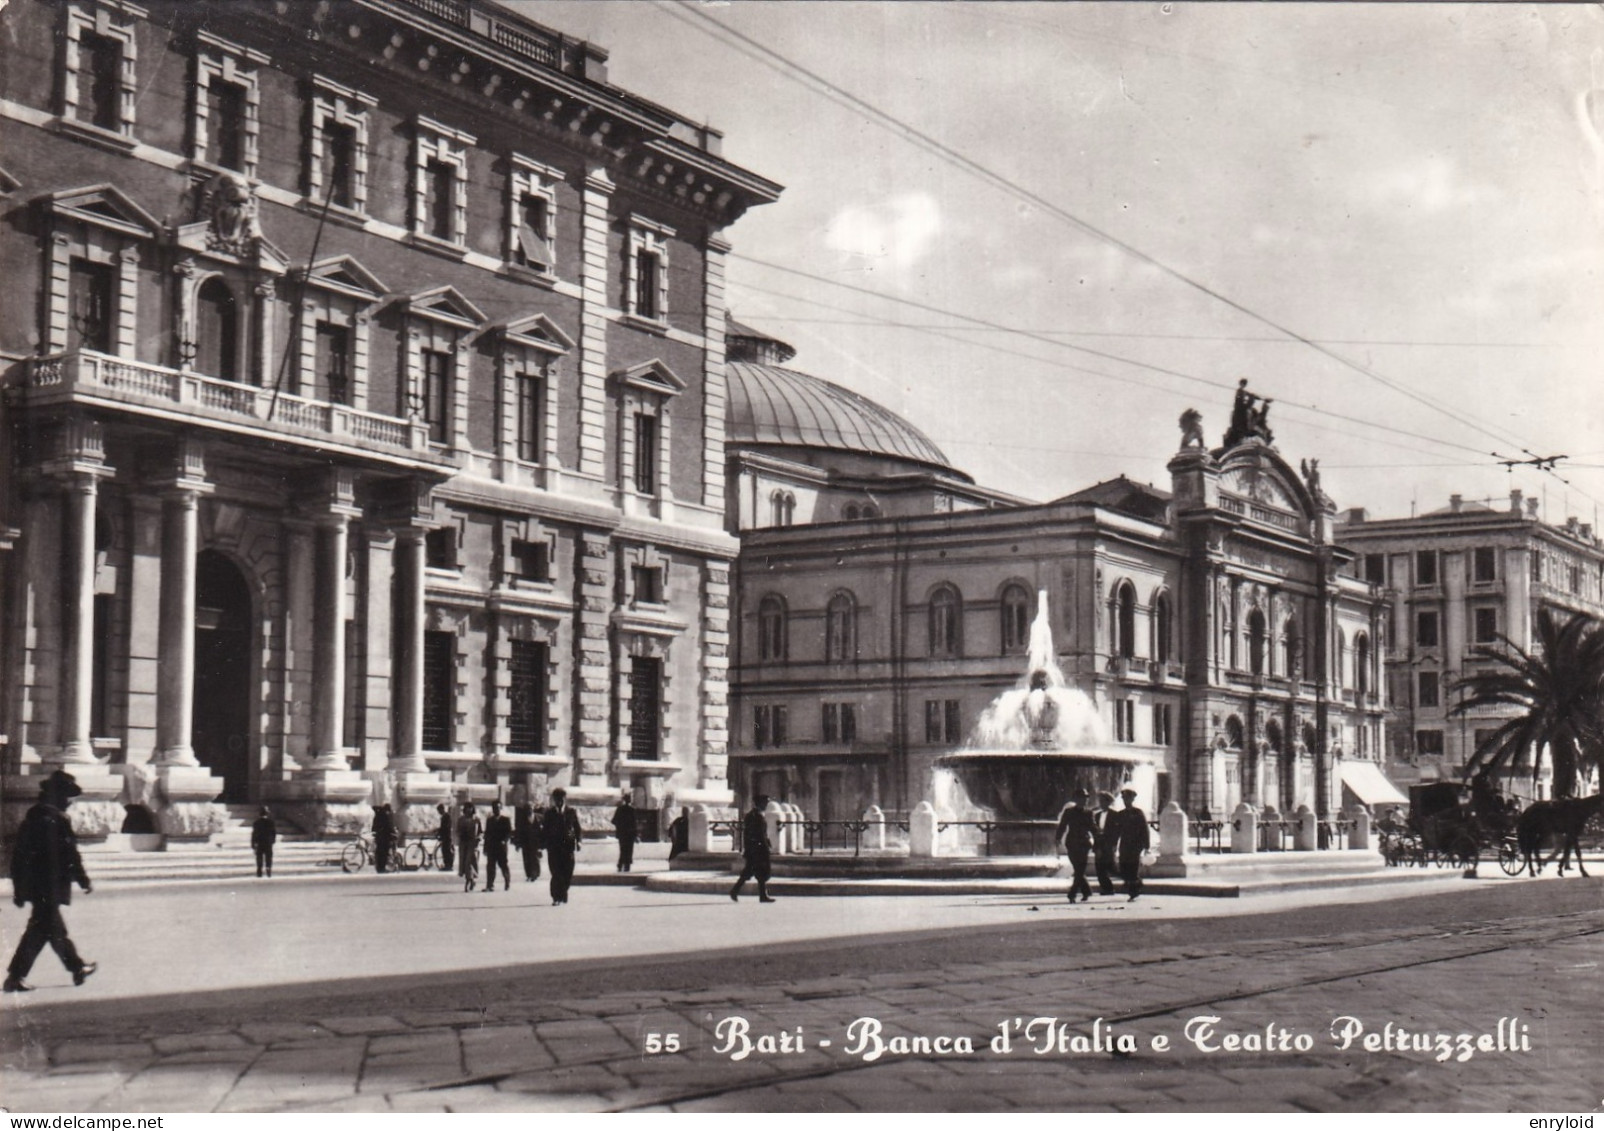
562 835
625 828
44 865
1077 833
1133 841
447 860
264 834
756 848
1104 840
526 838
498 834
383 837
469 830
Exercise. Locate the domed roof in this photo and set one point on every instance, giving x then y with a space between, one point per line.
770 404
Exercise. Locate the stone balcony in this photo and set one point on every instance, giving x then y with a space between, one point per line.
92 379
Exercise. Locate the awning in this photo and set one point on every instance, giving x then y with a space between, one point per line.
1370 785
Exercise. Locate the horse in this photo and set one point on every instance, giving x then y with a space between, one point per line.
1563 820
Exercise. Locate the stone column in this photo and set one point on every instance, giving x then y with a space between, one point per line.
328 646
406 751
176 676
78 621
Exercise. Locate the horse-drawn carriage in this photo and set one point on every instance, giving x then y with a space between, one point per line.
1451 826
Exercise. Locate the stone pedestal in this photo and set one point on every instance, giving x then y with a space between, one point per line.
188 810
922 839
775 817
1360 836
1307 838
1244 829
1172 832
96 814
874 837
416 796
334 803
700 837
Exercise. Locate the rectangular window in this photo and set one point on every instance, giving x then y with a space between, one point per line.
1486 626
645 708
90 305
1430 690
954 723
440 548
648 584
339 163
1428 742
645 453
760 726
334 362
1426 629
225 124
439 689
440 180
830 723
647 266
1376 569
531 561
100 691
942 720
1124 720
1486 564
526 711
437 394
534 231
531 417
849 722
100 80
1161 724
1425 567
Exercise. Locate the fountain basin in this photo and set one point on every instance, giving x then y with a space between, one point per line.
1034 785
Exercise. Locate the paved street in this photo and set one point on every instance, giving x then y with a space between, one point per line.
403 993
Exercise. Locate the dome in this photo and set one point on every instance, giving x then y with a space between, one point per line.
770 404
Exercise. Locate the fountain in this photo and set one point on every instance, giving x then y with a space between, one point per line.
1039 742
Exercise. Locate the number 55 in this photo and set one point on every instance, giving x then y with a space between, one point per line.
662 1042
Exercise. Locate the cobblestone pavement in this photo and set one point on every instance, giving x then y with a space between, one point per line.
523 1043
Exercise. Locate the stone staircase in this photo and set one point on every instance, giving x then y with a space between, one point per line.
208 860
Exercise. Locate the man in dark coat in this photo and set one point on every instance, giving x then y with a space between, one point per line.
1134 836
526 838
44 866
469 830
1077 833
679 834
625 828
264 834
498 834
383 837
447 859
562 835
1104 841
755 847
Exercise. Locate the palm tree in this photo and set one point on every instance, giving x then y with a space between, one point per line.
1558 689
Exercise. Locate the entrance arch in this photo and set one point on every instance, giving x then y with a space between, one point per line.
222 690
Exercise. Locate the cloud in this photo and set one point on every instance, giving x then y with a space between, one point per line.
899 231
1426 185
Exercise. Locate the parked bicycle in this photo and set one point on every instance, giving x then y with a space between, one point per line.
425 853
360 853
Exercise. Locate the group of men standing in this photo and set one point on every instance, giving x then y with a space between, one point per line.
554 830
1113 839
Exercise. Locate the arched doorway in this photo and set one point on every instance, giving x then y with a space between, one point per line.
217 331
222 690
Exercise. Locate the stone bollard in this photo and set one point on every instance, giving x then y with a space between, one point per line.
1172 830
796 837
700 836
773 817
922 838
1307 838
1360 836
874 837
1266 817
1244 829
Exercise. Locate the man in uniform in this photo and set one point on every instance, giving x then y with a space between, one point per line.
264 834
526 837
625 828
756 848
1134 834
498 834
469 830
44 865
1105 839
1077 832
563 839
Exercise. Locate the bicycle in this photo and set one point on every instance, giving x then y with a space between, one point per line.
360 852
420 855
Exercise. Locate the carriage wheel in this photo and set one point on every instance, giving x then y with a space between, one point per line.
1464 852
1509 857
415 858
354 858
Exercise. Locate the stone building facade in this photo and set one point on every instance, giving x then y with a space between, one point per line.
1214 624
1457 577
365 414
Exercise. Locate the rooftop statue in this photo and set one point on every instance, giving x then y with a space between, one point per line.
1192 429
1248 421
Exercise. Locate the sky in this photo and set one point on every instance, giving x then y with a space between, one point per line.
1388 218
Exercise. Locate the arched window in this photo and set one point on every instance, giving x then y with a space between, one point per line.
869 511
1125 620
1311 737
1015 618
1163 629
216 331
771 629
1293 643
1361 663
946 615
782 508
1233 732
1273 736
840 629
1256 642
850 512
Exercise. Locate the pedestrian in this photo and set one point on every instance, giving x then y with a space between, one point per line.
264 833
1134 838
447 861
44 865
498 833
756 849
1077 833
1104 840
469 830
561 832
625 828
679 834
383 837
526 838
